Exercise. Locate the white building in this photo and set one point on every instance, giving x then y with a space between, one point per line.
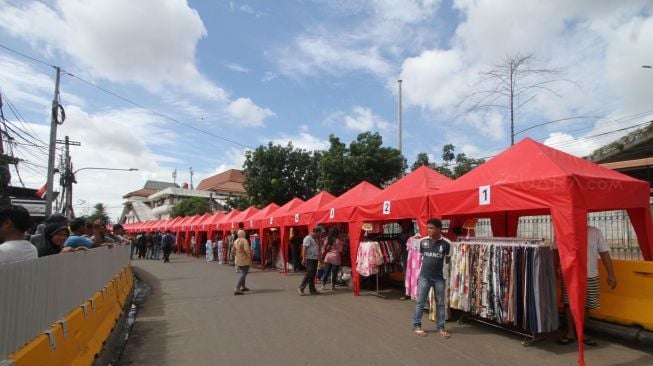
156 200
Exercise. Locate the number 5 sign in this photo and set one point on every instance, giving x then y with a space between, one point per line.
484 195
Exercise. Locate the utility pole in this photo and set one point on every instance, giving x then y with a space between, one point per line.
174 176
5 173
191 177
54 121
399 116
68 177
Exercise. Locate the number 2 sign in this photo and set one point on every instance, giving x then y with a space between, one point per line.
386 207
484 195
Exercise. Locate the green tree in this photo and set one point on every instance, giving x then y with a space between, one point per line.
99 212
341 168
422 160
331 167
275 173
237 202
190 206
448 157
465 164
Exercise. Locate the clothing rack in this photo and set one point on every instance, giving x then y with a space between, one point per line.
376 292
530 336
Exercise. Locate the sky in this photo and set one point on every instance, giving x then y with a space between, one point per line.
197 83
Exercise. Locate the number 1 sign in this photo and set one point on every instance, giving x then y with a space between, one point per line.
484 195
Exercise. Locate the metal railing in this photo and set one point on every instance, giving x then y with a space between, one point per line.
37 293
615 225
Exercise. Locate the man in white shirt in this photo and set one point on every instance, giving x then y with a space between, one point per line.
14 222
597 247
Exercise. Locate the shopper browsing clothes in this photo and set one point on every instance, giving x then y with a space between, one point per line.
434 250
597 247
310 258
331 257
242 259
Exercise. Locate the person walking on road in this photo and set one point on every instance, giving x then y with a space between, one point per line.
310 260
332 251
243 259
434 250
167 243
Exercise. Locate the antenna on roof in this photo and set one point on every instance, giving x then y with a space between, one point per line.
174 176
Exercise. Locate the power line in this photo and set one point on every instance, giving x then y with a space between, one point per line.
26 56
129 101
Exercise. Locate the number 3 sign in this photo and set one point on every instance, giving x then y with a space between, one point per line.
484 195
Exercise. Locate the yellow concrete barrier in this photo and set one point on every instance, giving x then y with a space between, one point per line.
631 303
80 335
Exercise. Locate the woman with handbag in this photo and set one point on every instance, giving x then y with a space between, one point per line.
331 257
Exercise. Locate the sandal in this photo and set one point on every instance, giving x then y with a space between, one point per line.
244 289
590 342
445 334
420 332
238 293
564 340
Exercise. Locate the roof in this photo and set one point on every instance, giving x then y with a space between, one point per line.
157 185
404 198
143 192
229 181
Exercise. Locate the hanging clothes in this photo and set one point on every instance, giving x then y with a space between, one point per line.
413 265
369 258
507 281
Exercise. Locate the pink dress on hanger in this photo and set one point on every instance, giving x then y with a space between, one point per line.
413 263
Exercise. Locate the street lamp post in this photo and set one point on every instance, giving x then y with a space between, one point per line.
68 207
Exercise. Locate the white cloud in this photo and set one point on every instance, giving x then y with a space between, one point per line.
237 68
269 76
303 140
363 119
149 43
247 9
369 46
246 111
22 83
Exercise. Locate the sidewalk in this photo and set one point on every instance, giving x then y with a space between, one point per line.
193 318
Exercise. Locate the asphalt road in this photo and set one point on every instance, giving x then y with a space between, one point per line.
193 318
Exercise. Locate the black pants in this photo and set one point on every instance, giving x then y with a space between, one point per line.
296 261
166 254
309 277
141 251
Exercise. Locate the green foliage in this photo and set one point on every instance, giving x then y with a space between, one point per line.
422 160
239 203
275 173
190 206
341 168
99 212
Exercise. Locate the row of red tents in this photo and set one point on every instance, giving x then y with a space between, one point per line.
527 179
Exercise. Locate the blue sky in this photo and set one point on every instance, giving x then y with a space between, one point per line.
259 71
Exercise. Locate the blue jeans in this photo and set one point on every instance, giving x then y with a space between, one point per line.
424 285
155 252
330 269
243 276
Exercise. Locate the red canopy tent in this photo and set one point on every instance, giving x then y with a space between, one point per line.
168 225
243 216
406 198
302 215
255 222
212 225
224 224
533 179
196 227
341 208
187 227
276 220
179 228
